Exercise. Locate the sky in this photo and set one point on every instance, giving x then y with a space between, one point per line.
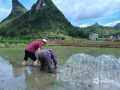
81 13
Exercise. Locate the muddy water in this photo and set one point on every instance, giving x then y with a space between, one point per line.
81 72
17 77
7 79
85 72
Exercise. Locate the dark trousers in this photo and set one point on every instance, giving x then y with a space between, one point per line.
44 58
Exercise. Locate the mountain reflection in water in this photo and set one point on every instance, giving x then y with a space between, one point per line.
7 79
85 72
81 72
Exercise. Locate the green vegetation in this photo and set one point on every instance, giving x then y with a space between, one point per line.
34 24
17 10
10 41
16 54
22 27
103 32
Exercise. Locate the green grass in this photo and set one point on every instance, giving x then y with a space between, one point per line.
15 41
63 53
16 54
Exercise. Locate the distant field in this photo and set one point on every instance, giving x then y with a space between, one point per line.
82 42
16 54
15 41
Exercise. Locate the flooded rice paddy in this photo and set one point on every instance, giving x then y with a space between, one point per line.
81 72
85 72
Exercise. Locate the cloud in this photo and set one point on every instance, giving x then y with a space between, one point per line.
74 10
84 25
87 9
5 8
112 23
4 13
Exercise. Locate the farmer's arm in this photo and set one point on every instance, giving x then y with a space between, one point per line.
54 60
38 50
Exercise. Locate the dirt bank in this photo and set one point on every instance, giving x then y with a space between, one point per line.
88 44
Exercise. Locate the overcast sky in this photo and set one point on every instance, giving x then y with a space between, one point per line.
80 13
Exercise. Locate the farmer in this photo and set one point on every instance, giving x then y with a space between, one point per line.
45 56
31 50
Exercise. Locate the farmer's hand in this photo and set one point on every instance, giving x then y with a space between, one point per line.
55 65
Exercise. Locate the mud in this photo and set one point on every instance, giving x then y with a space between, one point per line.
81 72
18 77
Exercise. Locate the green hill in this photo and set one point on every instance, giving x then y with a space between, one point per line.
46 20
117 26
17 10
97 25
43 18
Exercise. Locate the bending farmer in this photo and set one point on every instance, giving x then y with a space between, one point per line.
31 48
45 56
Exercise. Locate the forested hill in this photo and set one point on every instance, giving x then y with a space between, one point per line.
44 16
117 26
17 10
45 19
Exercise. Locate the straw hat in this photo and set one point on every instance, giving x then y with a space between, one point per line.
44 40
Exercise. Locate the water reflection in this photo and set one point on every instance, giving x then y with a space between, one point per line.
7 79
85 72
81 72
17 77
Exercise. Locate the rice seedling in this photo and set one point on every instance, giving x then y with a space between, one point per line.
83 69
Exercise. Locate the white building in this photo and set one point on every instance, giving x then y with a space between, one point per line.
93 36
